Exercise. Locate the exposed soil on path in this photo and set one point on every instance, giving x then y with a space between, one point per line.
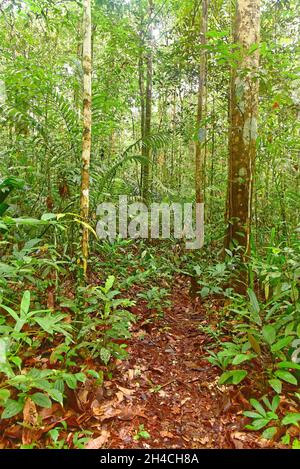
168 386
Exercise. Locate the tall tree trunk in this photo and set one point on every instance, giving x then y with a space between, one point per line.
148 110
142 99
87 126
201 134
243 125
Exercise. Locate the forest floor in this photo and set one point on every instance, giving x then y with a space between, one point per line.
165 394
168 389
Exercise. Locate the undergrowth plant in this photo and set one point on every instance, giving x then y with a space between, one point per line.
265 330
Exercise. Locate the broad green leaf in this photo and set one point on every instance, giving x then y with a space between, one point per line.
4 395
258 424
275 403
144 434
296 444
25 303
238 376
286 376
204 292
272 416
291 419
11 312
255 309
105 355
56 395
291 365
80 377
276 385
6 270
280 344
269 433
242 357
257 406
109 283
41 400
233 376
269 334
27 221
19 324
12 408
48 216
59 385
3 349
71 381
251 414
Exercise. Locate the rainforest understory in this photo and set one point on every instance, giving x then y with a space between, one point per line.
149 224
164 393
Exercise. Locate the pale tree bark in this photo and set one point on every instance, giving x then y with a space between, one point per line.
87 126
146 152
243 125
142 97
201 133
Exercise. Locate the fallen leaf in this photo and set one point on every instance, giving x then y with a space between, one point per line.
125 391
166 434
203 441
238 439
99 442
30 419
120 396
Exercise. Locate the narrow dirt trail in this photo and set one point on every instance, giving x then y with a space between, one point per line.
167 386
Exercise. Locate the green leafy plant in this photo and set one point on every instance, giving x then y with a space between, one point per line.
104 331
51 323
262 416
141 434
6 187
157 299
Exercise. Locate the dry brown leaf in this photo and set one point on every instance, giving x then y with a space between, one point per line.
203 441
30 419
165 434
184 401
50 299
125 391
14 431
120 396
176 410
105 411
99 442
129 413
109 410
238 439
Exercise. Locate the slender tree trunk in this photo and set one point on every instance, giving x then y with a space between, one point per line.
212 161
148 110
174 142
201 137
87 126
243 125
142 99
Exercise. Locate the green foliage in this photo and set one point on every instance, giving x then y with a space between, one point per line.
141 434
263 415
6 188
265 331
101 332
156 299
